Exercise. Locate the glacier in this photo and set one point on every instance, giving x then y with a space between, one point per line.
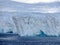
29 25
29 19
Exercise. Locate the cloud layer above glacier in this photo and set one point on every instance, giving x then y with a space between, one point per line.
36 1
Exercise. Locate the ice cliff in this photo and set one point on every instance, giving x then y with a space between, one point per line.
30 25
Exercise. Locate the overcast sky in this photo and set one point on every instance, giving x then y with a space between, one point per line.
35 1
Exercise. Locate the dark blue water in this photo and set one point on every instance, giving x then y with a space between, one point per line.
15 39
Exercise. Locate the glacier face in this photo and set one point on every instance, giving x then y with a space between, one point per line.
30 25
6 24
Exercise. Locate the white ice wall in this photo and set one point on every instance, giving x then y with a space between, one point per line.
30 25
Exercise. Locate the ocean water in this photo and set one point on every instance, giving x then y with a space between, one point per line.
15 39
